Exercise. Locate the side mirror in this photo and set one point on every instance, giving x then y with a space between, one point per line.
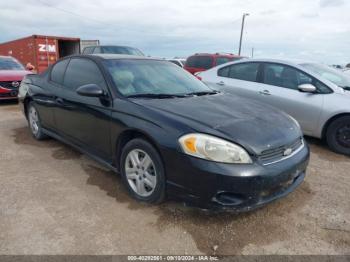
307 88
91 90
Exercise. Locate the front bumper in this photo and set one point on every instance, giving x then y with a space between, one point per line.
6 93
239 188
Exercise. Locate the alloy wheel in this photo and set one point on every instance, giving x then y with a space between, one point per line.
140 172
33 120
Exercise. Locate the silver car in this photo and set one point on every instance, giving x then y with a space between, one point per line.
315 95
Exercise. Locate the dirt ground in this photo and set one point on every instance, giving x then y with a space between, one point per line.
54 200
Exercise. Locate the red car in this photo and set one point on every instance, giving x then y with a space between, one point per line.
201 62
11 75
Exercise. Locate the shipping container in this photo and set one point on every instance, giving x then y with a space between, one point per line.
39 50
86 43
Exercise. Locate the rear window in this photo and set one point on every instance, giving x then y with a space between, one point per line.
124 50
204 62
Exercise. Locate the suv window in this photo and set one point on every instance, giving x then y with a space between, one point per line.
244 71
222 60
58 70
88 50
81 72
285 76
204 62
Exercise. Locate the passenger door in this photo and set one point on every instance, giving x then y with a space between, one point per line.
84 120
280 89
240 79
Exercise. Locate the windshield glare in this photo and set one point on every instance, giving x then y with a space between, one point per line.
332 75
10 64
133 77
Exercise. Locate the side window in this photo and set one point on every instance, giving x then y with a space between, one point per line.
224 71
97 50
81 72
204 62
244 71
88 50
57 71
285 76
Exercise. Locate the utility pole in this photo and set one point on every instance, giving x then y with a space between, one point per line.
242 28
252 52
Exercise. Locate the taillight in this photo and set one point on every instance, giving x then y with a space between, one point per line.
198 77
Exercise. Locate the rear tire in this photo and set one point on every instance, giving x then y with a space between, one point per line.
338 135
142 171
34 122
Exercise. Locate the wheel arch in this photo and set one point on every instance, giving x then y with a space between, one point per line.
127 136
26 102
329 121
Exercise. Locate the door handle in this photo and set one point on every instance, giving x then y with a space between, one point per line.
221 83
265 93
59 101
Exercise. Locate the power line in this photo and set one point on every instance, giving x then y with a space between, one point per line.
72 13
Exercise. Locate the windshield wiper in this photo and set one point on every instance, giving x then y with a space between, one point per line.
203 93
150 95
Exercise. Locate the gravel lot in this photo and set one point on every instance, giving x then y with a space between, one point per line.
54 200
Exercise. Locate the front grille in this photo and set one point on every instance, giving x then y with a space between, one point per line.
10 84
276 154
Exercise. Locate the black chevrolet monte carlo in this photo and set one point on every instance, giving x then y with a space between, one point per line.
167 133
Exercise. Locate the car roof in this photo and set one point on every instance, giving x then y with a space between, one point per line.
6 56
291 62
216 54
117 57
93 46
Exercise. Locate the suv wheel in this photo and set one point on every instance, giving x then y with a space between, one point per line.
338 135
34 122
142 171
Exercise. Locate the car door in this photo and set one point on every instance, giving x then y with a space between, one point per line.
240 79
84 120
47 98
280 89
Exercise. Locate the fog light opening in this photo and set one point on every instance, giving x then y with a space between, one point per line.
228 198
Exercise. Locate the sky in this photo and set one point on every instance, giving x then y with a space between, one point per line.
316 30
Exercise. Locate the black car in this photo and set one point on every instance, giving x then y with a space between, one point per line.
112 49
166 132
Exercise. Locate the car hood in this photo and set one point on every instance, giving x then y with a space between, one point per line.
13 75
255 126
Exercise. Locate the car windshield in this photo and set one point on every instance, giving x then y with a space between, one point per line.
121 50
10 64
332 75
151 77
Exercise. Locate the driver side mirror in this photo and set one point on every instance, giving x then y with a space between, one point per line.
91 90
307 88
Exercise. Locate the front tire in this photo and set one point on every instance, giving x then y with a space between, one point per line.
338 135
34 122
142 171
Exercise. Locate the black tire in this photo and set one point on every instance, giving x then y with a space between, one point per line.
338 135
158 193
38 133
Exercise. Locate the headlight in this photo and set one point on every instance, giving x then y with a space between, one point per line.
214 149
